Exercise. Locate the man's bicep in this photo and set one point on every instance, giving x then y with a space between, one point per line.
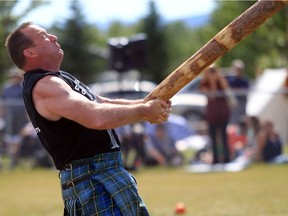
54 98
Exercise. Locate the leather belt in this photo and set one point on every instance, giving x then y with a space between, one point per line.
72 183
70 166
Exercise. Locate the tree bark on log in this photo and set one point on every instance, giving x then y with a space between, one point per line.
220 44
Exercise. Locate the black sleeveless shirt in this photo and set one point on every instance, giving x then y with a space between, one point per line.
66 140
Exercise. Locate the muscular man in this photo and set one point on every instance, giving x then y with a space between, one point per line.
76 127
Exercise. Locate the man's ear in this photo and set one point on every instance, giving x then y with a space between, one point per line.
28 53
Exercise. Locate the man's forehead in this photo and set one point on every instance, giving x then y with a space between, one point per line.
33 29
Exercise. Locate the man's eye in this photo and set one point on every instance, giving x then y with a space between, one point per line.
44 36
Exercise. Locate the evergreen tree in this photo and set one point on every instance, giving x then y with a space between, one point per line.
265 47
157 54
183 43
8 22
77 39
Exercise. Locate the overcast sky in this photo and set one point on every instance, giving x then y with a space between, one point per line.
104 11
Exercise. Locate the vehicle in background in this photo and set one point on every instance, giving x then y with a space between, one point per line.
190 102
128 89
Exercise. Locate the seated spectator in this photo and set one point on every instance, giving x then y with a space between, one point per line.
270 146
161 149
202 156
132 138
31 148
246 145
237 138
254 127
14 114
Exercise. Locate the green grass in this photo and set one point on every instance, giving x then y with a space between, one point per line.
260 190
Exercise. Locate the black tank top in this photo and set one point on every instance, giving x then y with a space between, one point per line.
66 140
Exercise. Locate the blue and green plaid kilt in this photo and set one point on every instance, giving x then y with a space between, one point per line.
101 187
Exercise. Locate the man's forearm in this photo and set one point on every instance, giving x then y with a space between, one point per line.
119 101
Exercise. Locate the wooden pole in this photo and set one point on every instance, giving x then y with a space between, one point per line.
220 44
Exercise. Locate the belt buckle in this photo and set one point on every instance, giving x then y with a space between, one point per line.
68 166
70 184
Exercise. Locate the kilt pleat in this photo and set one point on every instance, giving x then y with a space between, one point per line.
103 188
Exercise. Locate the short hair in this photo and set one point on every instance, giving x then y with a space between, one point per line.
238 63
16 43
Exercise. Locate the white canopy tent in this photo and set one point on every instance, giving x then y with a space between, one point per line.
268 101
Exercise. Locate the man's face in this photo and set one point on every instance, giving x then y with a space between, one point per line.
45 45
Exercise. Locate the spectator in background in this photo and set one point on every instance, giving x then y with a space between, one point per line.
31 148
270 146
217 113
245 144
254 126
263 144
237 138
161 149
253 129
240 85
14 113
132 138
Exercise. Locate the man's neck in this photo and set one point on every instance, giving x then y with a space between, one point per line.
53 69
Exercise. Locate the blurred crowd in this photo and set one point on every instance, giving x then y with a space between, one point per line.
231 134
18 139
235 136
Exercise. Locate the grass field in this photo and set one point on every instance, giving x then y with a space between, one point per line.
260 190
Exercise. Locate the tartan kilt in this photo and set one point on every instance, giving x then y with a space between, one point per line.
105 188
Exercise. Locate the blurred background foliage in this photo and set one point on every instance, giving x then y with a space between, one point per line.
168 44
8 21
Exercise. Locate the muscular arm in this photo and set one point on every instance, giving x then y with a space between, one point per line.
54 99
118 101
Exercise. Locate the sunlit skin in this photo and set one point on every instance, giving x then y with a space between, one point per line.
46 54
54 99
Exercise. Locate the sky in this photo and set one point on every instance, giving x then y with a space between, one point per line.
104 11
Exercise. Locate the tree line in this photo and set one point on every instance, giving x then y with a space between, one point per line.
167 45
